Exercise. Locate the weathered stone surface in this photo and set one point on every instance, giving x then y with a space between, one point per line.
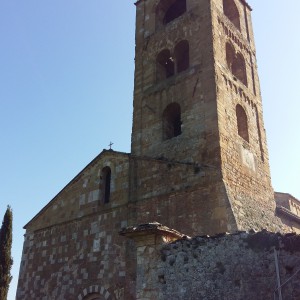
198 164
232 266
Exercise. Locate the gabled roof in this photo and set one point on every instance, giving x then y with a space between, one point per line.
76 178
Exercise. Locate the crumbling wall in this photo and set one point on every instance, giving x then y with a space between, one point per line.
235 266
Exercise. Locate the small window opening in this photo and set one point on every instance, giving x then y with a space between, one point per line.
169 10
230 55
236 63
164 65
177 9
242 123
106 180
182 56
171 121
232 13
239 69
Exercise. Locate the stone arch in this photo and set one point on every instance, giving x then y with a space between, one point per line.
182 56
95 292
169 10
171 121
232 13
242 122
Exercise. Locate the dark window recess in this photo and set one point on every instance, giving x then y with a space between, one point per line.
106 177
232 13
236 63
230 55
171 121
177 9
239 69
164 65
242 123
182 56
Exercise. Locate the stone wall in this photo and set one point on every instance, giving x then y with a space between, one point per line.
72 247
228 266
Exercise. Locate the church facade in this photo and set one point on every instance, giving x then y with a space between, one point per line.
198 161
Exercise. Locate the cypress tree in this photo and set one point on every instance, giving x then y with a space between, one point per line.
5 253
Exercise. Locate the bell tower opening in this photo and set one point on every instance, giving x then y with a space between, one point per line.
171 121
169 10
164 65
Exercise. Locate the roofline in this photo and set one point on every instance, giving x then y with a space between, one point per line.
104 151
242 1
288 213
287 194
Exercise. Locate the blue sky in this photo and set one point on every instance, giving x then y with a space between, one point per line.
66 86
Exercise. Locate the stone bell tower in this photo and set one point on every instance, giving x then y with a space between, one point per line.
198 134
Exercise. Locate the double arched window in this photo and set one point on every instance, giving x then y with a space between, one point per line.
169 10
232 13
171 121
236 63
167 64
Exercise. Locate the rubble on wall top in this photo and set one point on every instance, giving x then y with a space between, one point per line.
153 227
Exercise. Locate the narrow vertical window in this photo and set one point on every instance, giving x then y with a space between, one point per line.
239 69
106 181
164 65
242 123
182 56
232 13
230 55
171 121
236 64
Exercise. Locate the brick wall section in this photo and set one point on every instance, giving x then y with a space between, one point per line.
235 266
181 195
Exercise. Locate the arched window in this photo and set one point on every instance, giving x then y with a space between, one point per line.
106 180
236 64
242 123
171 121
164 65
182 56
169 10
232 13
239 69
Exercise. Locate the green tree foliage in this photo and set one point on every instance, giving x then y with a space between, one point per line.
5 253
